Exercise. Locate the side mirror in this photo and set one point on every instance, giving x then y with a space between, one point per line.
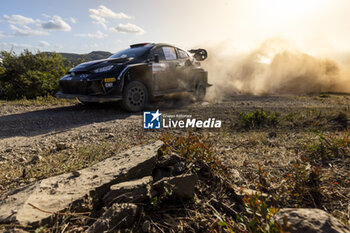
156 58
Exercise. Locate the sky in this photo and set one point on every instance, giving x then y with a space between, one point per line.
82 26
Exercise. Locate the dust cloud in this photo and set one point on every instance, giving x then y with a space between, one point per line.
273 68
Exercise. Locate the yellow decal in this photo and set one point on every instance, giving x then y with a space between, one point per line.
110 80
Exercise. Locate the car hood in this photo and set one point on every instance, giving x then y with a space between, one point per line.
99 63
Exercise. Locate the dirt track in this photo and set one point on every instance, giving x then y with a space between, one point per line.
27 130
41 141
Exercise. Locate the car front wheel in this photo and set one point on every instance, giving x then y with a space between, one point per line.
200 91
135 96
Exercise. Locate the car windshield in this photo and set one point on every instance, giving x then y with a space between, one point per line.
130 52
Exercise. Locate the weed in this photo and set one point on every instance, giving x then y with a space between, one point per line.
328 147
301 186
41 229
198 151
290 116
195 149
258 215
258 118
168 192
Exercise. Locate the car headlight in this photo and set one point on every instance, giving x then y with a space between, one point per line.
103 69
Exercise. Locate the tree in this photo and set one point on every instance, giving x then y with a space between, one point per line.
30 75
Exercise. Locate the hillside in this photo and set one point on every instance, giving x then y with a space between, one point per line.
78 58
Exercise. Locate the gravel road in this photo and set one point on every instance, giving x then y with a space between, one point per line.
27 130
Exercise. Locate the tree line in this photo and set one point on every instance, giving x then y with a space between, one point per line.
30 75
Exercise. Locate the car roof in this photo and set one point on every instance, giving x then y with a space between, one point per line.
150 45
153 45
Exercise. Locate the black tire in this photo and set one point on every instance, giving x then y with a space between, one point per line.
200 91
135 96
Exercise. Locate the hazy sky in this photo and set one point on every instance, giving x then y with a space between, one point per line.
85 25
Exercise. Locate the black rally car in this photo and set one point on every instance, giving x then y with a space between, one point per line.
136 75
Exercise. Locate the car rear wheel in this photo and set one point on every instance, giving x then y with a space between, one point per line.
200 91
135 96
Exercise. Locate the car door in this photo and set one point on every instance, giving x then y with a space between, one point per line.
183 70
164 77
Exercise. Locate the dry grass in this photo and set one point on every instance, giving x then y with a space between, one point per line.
39 101
53 162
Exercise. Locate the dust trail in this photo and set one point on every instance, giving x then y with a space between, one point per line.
273 68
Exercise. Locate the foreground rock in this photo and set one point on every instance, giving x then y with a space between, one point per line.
116 217
130 191
56 194
310 221
182 185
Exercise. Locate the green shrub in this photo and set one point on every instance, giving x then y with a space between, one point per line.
30 75
258 118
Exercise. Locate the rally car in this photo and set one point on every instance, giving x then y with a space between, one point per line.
137 75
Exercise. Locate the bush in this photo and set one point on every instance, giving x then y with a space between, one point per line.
30 75
258 119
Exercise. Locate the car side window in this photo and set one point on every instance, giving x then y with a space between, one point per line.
159 52
182 54
169 53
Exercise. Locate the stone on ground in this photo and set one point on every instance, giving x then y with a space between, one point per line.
118 216
130 191
58 193
183 185
310 221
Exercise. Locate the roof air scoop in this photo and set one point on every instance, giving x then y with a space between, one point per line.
199 54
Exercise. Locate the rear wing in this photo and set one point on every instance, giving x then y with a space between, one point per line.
199 54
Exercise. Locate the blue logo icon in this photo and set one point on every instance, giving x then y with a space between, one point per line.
151 120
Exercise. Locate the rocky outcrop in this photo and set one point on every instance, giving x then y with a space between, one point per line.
122 187
36 203
309 221
117 216
131 191
117 188
182 186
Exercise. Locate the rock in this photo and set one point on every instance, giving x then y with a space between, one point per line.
36 158
242 192
161 172
146 226
183 185
61 146
22 159
118 216
75 173
12 230
110 136
310 221
272 134
236 176
180 168
169 160
60 192
130 191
